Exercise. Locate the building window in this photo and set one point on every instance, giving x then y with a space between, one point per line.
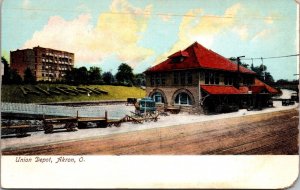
175 75
163 79
212 78
206 75
157 79
225 80
228 80
152 80
158 98
189 77
217 78
183 99
182 78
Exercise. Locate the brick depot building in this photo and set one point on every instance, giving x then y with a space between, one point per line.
198 80
46 64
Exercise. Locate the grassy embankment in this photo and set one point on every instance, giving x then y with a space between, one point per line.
13 93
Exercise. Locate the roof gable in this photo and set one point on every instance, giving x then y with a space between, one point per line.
197 56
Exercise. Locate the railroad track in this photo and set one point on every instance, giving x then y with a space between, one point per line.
274 133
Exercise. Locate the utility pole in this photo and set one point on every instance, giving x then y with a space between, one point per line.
263 69
238 69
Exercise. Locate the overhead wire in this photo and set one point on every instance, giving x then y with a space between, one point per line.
148 13
274 57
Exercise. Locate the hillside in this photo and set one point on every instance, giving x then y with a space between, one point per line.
44 93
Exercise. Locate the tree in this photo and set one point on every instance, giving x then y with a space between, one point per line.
262 73
139 79
69 77
234 60
15 78
108 78
95 75
10 76
124 74
6 73
82 75
29 78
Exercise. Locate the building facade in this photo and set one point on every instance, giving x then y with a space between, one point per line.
46 64
198 80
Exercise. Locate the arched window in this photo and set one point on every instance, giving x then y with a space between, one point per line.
158 98
183 99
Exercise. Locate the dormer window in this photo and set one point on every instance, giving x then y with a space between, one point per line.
178 57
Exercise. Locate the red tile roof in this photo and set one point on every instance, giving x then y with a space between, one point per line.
218 90
257 89
197 56
262 84
179 53
244 89
226 90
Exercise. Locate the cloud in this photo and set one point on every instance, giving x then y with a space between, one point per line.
241 31
117 32
203 28
26 4
165 17
262 35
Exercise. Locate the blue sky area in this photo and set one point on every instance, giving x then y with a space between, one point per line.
142 33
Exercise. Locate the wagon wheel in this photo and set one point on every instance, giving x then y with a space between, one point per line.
118 124
109 124
21 132
70 126
48 128
250 108
82 125
135 122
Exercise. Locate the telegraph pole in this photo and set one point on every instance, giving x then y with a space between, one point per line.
238 69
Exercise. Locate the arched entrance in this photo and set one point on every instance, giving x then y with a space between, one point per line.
183 97
158 96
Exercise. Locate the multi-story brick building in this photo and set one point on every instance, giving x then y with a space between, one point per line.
46 64
199 80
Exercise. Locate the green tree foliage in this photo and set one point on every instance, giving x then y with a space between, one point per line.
108 78
81 75
234 60
262 74
15 78
95 75
10 76
125 75
70 76
29 78
6 73
139 79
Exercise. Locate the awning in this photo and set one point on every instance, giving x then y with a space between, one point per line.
231 90
257 89
264 86
219 90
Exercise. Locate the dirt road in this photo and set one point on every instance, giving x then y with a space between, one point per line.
269 133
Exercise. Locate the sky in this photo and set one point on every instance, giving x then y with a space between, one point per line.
142 33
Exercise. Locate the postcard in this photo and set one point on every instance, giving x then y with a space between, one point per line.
149 94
